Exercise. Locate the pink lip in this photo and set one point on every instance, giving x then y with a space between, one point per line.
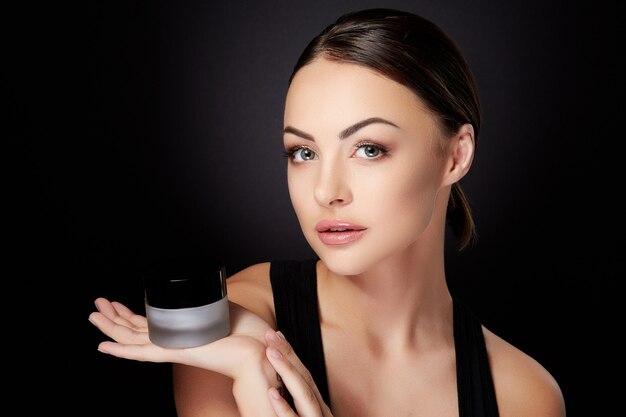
351 233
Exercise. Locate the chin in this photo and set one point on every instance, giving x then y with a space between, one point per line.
345 260
350 259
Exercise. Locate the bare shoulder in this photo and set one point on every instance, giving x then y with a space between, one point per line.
523 386
251 288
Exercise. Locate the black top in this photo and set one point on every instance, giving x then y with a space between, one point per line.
294 285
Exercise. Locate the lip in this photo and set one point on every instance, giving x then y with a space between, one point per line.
347 233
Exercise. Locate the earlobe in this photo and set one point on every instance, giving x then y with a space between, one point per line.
461 154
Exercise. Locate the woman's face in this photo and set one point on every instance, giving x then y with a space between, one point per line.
364 169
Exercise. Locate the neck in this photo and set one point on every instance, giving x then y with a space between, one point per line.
402 303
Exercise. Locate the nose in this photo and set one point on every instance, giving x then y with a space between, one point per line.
332 188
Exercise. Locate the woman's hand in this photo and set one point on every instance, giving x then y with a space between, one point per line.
241 352
296 378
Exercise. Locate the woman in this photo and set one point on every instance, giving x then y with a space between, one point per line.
380 125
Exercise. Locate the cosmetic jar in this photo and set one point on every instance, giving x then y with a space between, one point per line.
186 301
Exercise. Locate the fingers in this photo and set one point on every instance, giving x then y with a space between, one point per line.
144 353
129 333
124 312
280 406
120 314
303 395
296 377
119 323
277 341
121 332
128 343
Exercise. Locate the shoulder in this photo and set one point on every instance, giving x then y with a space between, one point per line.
523 386
251 289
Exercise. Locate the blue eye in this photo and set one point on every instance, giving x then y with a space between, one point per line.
301 154
370 151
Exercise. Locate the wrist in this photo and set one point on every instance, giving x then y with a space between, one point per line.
250 390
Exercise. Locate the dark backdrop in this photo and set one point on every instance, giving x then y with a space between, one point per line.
149 129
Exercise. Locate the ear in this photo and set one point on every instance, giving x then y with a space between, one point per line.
460 154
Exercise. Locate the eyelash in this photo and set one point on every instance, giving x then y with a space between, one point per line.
383 150
289 153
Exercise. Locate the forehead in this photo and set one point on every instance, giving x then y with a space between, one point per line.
329 91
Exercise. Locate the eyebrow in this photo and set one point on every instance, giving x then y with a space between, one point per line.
344 133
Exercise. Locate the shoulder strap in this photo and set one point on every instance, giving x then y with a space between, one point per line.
294 285
476 393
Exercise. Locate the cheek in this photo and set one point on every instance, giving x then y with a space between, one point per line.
403 198
300 191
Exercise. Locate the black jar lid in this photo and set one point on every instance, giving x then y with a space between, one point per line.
184 282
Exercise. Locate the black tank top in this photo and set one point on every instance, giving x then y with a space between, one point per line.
294 285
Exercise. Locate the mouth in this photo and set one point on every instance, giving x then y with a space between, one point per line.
331 226
338 229
337 232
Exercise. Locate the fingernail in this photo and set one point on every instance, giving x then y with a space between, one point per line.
273 337
274 353
281 336
100 349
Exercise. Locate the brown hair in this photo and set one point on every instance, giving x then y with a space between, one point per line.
414 52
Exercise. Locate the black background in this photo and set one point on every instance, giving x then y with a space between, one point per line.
139 130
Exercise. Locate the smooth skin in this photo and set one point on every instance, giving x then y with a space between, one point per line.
364 149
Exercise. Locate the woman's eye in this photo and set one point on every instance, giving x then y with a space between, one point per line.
303 154
369 151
